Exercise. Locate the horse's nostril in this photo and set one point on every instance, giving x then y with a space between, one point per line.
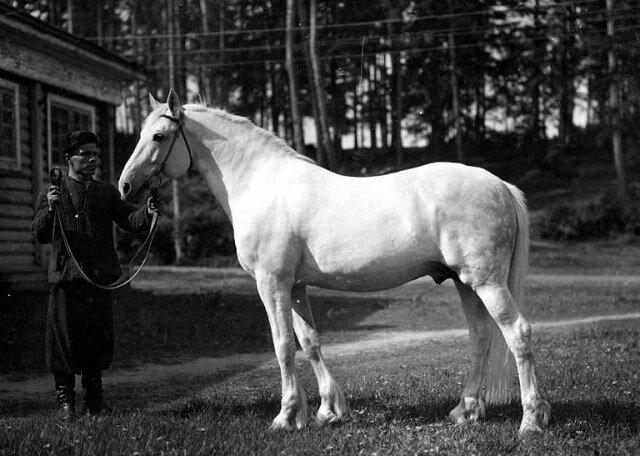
126 188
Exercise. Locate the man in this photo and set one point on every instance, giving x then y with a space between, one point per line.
79 335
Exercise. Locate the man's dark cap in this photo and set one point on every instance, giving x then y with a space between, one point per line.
70 142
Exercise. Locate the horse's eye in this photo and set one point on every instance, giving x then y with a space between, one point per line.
158 137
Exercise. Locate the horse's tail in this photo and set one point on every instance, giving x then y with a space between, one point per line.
501 365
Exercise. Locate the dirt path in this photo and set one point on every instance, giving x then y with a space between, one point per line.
380 340
199 280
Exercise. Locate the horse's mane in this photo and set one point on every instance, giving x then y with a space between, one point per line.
251 128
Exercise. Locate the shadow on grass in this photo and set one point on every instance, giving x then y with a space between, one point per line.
596 412
127 396
599 411
378 409
151 328
265 407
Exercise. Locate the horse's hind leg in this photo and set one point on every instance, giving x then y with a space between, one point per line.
517 333
276 296
471 406
333 405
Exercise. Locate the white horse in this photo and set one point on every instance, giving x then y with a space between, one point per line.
297 224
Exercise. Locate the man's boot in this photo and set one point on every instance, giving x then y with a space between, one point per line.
65 384
93 392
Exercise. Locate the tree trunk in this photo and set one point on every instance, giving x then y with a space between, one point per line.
180 66
320 154
616 139
566 97
382 104
454 88
70 16
357 143
205 81
324 133
273 104
396 112
298 140
99 29
109 29
373 108
177 244
338 112
220 87
537 75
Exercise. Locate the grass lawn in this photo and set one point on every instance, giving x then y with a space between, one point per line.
398 402
399 399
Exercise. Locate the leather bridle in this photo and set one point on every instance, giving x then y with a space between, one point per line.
179 129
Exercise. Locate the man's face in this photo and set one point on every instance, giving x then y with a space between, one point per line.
85 159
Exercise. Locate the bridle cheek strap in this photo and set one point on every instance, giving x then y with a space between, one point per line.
179 129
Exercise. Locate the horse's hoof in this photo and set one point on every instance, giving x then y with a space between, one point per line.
326 418
457 415
281 424
468 410
534 421
529 429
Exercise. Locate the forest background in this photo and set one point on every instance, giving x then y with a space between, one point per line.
543 93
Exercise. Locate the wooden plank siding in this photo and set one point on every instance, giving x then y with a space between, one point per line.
17 249
16 199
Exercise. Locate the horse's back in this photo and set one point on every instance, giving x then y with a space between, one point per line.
361 233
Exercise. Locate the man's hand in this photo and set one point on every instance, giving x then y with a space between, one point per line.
53 196
153 206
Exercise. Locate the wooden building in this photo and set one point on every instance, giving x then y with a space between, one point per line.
51 82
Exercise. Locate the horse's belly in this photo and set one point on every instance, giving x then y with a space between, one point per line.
351 273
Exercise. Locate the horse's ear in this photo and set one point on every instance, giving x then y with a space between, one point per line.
153 102
174 103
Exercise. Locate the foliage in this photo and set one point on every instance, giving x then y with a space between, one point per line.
609 216
206 233
521 66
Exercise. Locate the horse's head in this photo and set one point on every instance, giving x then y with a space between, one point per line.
162 151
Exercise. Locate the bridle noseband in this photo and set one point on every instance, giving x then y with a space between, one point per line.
179 128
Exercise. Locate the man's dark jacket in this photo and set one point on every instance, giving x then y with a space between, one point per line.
87 213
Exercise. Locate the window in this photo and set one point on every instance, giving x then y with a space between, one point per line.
65 115
9 125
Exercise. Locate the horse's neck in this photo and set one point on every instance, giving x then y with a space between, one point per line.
236 156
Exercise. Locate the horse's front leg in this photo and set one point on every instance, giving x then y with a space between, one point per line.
333 405
276 297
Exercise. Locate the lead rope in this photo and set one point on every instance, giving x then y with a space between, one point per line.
125 278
